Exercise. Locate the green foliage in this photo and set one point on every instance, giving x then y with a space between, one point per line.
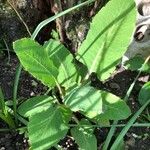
85 99
46 128
63 60
136 63
83 135
35 60
47 122
2 102
92 103
119 138
31 55
34 105
52 64
4 114
144 94
108 37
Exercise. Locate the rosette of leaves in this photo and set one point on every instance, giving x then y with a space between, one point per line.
107 40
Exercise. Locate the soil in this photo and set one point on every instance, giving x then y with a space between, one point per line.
118 83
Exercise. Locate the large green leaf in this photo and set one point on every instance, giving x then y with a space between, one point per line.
46 129
108 38
84 136
63 60
92 103
35 105
144 94
35 60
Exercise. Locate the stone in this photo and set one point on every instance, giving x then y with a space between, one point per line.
140 42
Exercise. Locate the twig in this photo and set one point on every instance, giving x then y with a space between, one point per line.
19 17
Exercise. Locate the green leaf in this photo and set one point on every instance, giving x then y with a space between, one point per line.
35 60
92 103
113 107
63 60
108 37
136 63
84 136
35 105
46 129
144 94
85 99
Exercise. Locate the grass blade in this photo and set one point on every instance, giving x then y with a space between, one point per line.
113 128
127 127
45 22
15 89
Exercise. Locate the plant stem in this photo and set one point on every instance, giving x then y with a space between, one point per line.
113 125
15 89
7 119
47 91
76 120
7 48
60 90
5 130
18 70
22 120
109 136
